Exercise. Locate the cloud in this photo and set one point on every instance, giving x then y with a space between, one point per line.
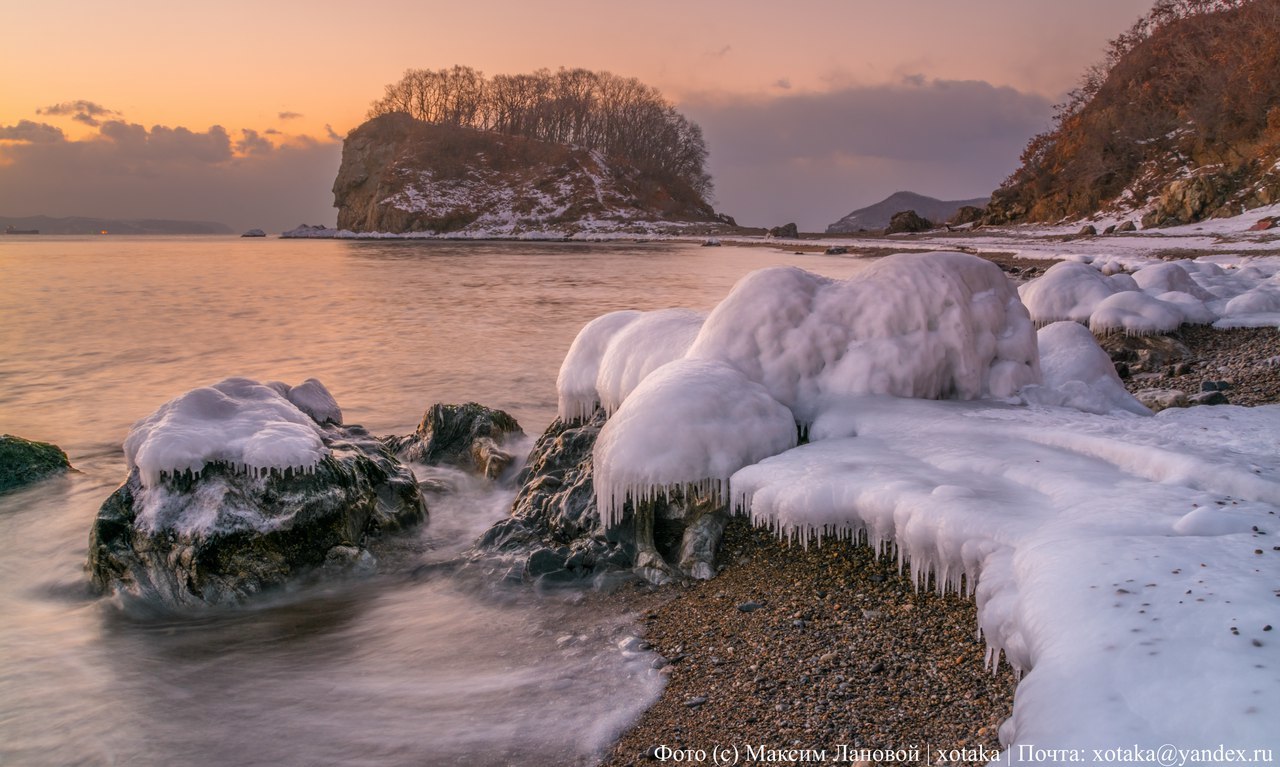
783 83
31 132
812 157
720 53
289 115
125 170
331 133
80 110
271 132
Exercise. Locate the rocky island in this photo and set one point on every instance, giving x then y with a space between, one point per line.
451 153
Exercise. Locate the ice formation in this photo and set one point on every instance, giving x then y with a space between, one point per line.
692 423
1078 373
912 325
1122 563
237 422
312 398
1157 296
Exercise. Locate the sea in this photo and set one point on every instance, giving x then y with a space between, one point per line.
400 668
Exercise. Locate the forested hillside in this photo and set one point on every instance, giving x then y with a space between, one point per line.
1179 122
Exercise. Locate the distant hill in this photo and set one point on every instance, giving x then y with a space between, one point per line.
83 225
877 216
1179 123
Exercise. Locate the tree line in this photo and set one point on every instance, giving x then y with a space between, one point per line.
620 117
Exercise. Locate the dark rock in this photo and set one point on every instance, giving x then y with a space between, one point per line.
749 607
555 509
23 461
836 250
254 233
696 701
1208 386
1111 229
221 536
1126 226
785 232
469 437
967 214
1088 230
543 561
1122 370
1214 397
907 221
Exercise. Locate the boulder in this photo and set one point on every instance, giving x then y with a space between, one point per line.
23 461
1161 399
967 214
556 527
1088 230
469 437
836 250
786 232
219 536
254 233
1263 224
1126 226
908 221
240 487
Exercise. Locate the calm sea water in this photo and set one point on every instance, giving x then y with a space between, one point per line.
394 670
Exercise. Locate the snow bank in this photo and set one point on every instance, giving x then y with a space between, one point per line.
1123 563
237 422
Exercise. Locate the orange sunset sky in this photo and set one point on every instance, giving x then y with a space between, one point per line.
234 111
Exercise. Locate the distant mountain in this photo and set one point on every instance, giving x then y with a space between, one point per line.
877 216
83 225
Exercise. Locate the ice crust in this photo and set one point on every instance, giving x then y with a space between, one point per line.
239 422
1112 555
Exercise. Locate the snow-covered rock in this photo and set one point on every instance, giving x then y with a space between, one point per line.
233 489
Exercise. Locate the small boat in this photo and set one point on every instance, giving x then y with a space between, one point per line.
11 230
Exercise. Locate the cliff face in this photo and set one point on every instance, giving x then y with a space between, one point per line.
1179 124
402 175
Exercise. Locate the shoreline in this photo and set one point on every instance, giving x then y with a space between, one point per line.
820 648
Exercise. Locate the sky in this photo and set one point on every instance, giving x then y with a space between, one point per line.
235 111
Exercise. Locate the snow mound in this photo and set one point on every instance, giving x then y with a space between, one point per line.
689 425
912 325
1078 373
1135 313
1068 290
237 422
576 383
640 347
1157 296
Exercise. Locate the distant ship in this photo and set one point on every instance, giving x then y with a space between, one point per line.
10 230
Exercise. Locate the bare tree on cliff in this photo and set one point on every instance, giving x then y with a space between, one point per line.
620 117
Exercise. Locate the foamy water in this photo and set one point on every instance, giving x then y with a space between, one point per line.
413 666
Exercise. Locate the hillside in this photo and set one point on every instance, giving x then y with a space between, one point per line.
1181 122
401 175
877 216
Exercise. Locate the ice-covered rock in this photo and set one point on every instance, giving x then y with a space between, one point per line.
643 345
233 490
1134 313
576 383
1068 290
469 437
23 461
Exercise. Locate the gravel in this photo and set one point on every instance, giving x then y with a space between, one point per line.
840 650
